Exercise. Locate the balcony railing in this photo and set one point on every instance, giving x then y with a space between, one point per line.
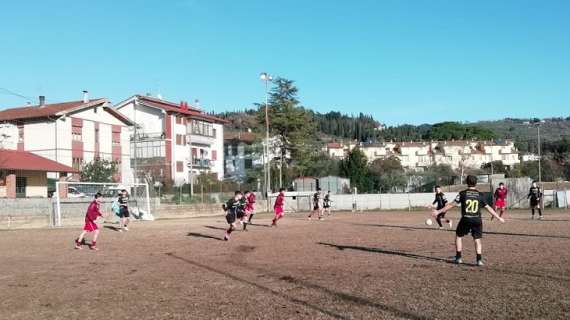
202 163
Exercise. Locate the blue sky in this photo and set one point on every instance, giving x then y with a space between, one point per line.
403 61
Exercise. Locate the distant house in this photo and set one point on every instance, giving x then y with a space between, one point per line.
241 154
418 155
70 133
173 141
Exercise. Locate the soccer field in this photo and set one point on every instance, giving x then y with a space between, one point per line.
382 265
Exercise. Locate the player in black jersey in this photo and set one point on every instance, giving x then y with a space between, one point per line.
534 194
440 202
471 202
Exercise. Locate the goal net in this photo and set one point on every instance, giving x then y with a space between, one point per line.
296 201
71 200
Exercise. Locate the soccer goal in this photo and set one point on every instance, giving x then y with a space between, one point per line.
71 199
294 201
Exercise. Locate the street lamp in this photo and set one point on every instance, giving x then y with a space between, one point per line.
537 124
265 77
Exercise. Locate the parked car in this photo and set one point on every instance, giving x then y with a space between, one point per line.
72 192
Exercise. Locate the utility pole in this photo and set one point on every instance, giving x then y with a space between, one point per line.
539 155
135 102
267 78
191 172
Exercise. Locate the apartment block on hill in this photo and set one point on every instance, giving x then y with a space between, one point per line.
419 155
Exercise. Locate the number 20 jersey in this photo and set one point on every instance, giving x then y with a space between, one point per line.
471 202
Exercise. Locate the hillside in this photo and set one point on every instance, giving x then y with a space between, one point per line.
337 126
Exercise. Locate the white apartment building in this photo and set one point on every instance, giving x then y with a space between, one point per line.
71 133
419 155
174 142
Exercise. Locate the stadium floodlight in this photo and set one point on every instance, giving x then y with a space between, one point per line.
264 76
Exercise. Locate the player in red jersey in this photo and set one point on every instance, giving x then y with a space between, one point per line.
278 207
500 199
93 212
249 208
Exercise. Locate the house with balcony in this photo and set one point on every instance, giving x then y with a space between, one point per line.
241 153
172 143
70 133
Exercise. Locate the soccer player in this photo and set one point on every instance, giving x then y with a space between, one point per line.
124 210
500 197
93 212
327 203
234 211
440 202
249 208
317 204
471 202
534 193
278 207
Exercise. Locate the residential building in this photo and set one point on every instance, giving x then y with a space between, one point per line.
172 143
70 133
420 155
241 154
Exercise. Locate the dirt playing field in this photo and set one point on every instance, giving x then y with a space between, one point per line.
351 266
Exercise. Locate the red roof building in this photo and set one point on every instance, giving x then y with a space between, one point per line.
24 174
70 133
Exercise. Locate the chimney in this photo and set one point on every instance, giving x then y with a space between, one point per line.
42 102
184 105
85 96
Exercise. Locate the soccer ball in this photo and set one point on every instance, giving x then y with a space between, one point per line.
429 222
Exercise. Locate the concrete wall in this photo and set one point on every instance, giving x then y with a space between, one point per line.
388 201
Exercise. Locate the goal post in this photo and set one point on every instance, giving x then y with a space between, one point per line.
71 199
295 201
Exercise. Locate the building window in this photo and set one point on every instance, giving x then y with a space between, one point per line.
214 132
77 133
20 133
180 139
248 163
179 166
77 163
203 128
214 155
116 139
96 135
178 120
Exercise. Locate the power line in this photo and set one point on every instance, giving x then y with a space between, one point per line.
12 93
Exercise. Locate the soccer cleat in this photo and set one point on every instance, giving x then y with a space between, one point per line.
540 218
450 224
458 260
94 248
78 245
226 238
126 228
480 263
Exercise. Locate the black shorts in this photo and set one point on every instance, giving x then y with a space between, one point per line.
470 225
533 202
231 217
441 215
124 212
